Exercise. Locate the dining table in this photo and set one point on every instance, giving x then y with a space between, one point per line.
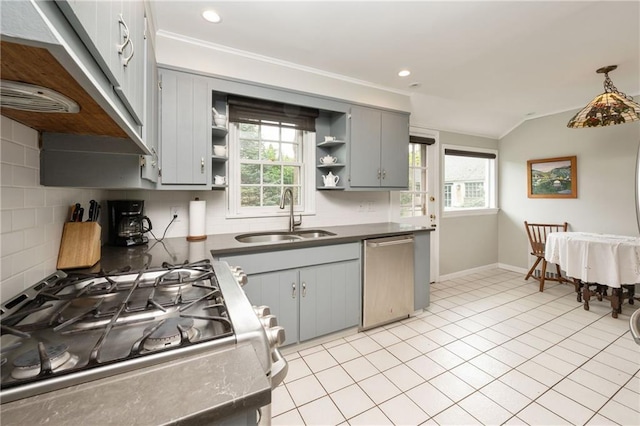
598 263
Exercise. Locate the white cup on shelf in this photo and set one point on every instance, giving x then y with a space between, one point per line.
219 180
220 150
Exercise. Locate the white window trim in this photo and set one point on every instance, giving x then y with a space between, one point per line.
307 172
493 183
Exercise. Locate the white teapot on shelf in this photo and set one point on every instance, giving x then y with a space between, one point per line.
327 159
330 179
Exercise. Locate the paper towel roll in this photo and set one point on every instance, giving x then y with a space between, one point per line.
198 251
197 220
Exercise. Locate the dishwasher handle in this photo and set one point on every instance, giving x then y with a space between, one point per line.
404 240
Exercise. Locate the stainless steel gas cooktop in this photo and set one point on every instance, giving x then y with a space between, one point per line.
69 329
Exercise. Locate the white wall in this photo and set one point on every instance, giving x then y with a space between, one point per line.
467 242
211 59
32 216
606 160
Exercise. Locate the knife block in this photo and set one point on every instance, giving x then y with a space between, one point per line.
80 245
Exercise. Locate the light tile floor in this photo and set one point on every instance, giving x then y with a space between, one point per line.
490 349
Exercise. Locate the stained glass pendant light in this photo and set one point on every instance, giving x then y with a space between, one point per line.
609 108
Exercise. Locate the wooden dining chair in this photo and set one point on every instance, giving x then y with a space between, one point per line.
537 233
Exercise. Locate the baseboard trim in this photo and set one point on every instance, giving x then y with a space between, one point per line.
459 274
513 268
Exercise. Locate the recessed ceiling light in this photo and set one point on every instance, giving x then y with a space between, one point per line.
404 73
211 16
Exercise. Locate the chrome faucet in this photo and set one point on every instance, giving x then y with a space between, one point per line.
292 222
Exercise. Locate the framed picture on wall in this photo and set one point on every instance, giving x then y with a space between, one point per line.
552 178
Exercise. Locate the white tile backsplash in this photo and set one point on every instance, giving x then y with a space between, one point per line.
25 176
31 216
23 219
12 153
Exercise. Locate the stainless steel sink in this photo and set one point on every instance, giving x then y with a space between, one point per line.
271 237
314 234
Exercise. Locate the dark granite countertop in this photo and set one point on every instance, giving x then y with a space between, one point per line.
195 390
178 250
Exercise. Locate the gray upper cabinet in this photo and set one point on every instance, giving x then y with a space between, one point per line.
114 33
185 129
150 165
379 148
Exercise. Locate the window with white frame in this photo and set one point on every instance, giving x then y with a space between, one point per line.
469 179
414 201
270 143
270 159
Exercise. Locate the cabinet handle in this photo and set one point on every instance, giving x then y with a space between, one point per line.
384 174
293 290
379 174
127 38
304 289
126 60
127 41
201 164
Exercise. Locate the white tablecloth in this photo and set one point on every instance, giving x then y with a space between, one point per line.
596 258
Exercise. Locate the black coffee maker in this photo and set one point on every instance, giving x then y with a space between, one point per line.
127 223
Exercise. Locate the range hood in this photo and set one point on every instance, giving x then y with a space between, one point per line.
40 48
32 98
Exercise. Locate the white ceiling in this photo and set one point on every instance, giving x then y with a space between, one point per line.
483 66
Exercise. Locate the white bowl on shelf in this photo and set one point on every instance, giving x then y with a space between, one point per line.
220 120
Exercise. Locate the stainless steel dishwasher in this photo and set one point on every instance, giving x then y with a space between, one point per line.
388 280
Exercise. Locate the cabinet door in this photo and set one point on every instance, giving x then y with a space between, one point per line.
105 26
185 112
329 298
395 150
150 129
279 291
364 141
130 90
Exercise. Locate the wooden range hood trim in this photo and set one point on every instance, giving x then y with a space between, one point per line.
37 65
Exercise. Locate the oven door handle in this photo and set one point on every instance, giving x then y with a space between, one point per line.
279 368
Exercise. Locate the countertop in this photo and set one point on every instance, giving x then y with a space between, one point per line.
225 382
211 387
178 250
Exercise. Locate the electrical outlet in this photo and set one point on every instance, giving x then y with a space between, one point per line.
371 206
175 211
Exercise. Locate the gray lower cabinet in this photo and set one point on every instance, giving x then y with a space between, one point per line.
279 291
421 269
312 301
379 148
312 292
329 298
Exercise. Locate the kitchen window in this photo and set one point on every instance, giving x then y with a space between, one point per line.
271 148
470 180
414 201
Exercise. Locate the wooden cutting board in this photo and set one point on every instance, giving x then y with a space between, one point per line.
80 245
